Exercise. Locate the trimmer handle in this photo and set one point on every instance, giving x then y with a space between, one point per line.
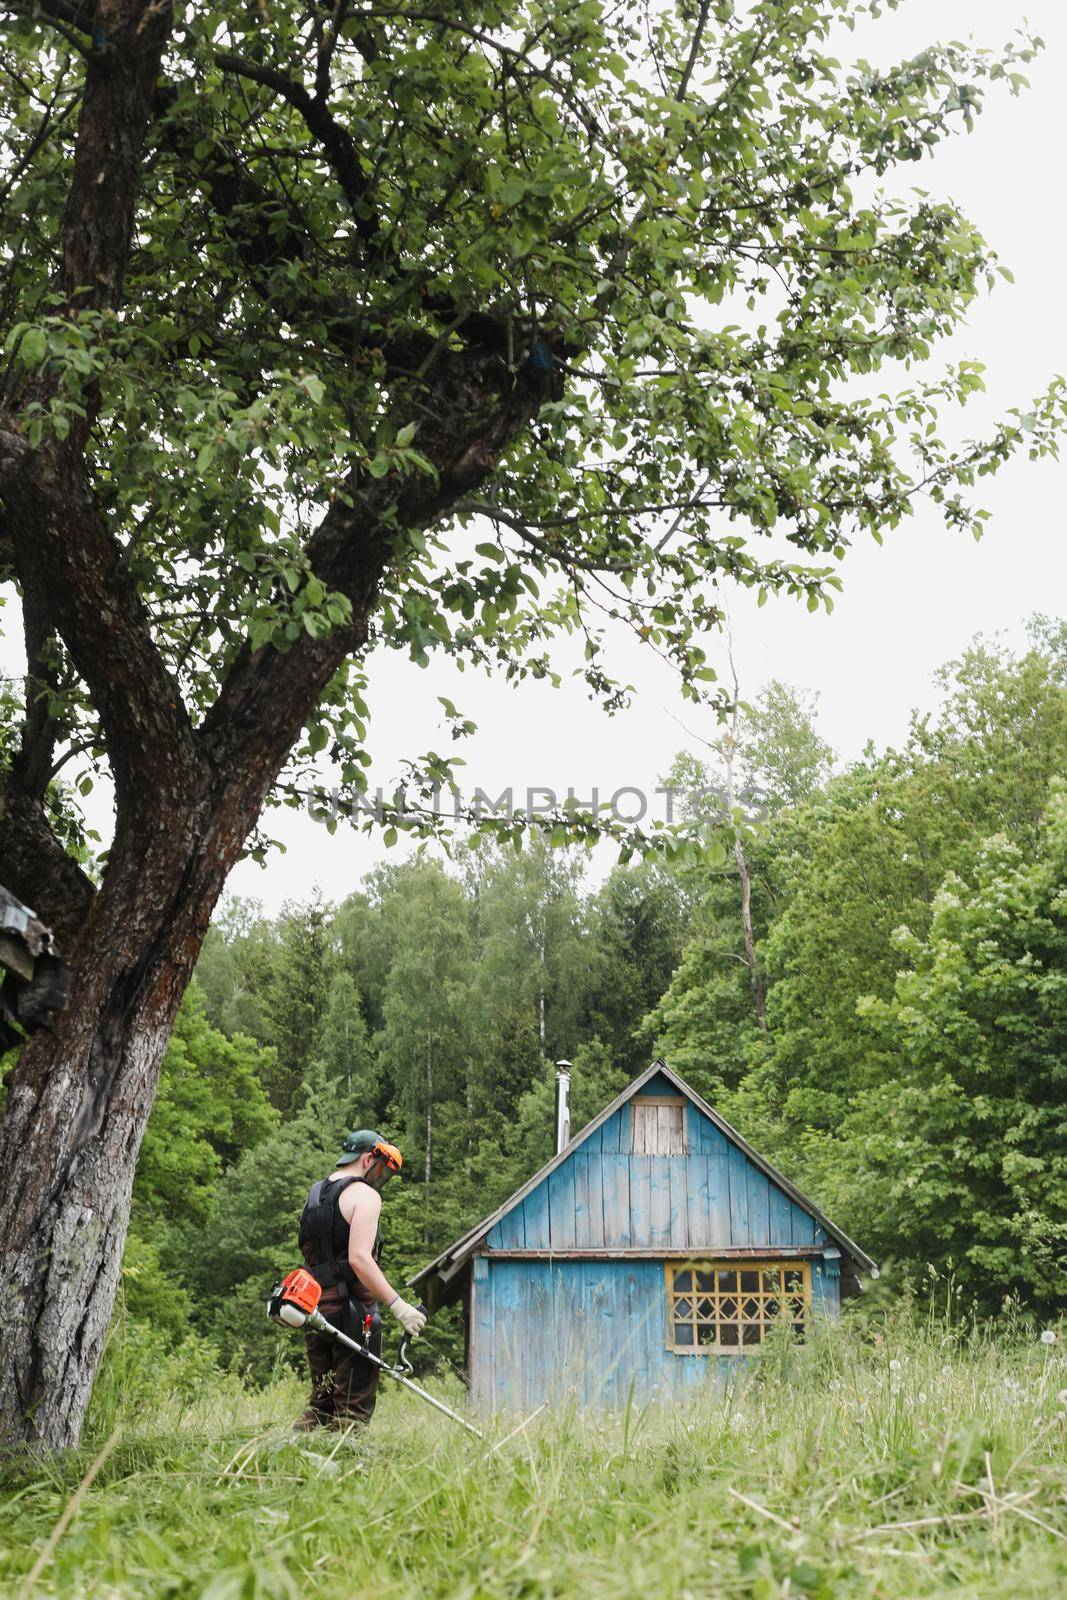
402 1354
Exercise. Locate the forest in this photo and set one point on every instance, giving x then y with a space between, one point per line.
893 1035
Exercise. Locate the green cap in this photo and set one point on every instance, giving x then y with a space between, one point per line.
357 1144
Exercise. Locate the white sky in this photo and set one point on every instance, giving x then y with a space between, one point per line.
907 606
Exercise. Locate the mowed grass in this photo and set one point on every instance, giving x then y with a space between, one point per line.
912 1462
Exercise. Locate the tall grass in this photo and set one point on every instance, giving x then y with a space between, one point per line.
912 1460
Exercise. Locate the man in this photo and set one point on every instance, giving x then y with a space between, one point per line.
341 1243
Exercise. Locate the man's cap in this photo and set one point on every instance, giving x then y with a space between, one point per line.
357 1144
364 1141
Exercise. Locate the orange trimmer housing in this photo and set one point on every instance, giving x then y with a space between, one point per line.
302 1290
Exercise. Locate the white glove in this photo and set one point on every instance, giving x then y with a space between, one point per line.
410 1318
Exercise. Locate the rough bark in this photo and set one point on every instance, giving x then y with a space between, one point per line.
36 868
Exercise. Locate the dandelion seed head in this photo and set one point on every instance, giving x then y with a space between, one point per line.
1048 1336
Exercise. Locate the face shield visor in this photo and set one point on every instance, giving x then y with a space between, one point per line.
385 1161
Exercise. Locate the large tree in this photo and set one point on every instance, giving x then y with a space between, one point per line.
964 1146
290 295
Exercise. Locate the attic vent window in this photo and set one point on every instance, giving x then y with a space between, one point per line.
724 1307
658 1126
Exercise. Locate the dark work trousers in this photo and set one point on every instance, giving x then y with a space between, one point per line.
344 1386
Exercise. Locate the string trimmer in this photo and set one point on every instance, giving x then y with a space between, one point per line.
295 1303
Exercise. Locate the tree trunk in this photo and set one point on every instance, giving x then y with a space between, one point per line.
751 962
758 1000
186 797
79 1100
67 1155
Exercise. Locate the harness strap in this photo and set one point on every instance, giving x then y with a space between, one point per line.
317 1222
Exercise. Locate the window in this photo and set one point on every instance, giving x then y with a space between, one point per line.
723 1307
657 1126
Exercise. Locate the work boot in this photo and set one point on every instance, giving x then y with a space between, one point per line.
351 1425
309 1420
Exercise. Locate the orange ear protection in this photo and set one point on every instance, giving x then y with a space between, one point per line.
389 1154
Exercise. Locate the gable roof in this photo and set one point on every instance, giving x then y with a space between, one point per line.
450 1262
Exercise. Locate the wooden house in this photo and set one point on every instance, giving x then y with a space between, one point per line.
655 1248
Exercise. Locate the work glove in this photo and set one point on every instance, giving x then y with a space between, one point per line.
410 1318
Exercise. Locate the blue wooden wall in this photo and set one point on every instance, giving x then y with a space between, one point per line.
602 1197
593 1329
588 1331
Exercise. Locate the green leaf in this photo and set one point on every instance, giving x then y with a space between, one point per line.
33 347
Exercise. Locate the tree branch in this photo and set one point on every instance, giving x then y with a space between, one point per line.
31 766
239 200
75 13
560 556
116 106
476 408
327 46
694 51
37 869
68 20
337 143
58 529
48 124
52 517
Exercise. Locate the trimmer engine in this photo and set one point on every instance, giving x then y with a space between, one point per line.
295 1299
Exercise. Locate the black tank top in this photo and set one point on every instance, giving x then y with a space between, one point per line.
333 1250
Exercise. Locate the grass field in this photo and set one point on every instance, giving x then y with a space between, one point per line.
909 1461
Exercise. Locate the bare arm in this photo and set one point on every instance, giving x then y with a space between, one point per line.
362 1227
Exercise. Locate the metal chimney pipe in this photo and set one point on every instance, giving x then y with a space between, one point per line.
563 1105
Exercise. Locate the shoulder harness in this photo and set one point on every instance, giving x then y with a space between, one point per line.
324 1231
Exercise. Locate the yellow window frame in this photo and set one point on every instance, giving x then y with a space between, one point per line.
710 1309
